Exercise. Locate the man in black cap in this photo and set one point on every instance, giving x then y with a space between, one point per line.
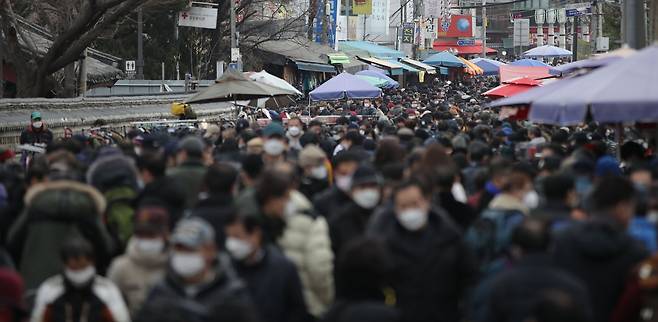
351 221
190 169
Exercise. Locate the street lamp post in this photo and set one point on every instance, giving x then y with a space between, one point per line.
484 28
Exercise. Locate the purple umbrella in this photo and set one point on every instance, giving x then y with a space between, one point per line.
390 83
344 85
586 64
623 91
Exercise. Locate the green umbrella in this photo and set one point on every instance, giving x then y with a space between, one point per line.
374 81
234 86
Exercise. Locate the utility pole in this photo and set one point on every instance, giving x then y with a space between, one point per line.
484 28
83 73
140 44
365 17
653 9
574 40
633 27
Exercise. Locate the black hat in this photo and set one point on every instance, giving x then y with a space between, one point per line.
365 175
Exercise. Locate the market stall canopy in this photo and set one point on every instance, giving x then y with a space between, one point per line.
358 48
391 83
624 91
418 65
490 67
338 58
475 49
547 51
390 67
471 68
512 87
596 61
344 85
528 97
269 79
305 54
444 59
235 86
508 72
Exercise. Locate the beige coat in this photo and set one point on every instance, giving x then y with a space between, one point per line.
135 275
306 242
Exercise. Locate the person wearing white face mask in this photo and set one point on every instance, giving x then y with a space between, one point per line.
274 143
145 260
272 279
294 133
36 132
350 223
329 202
197 272
315 176
78 294
434 266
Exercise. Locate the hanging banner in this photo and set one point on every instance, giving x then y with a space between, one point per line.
378 22
198 17
430 28
457 26
362 7
408 33
332 21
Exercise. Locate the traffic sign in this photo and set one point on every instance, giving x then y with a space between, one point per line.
130 66
466 42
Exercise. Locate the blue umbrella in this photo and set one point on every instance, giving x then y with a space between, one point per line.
535 63
444 59
547 51
489 66
623 91
390 83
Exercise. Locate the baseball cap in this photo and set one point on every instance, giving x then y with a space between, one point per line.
273 129
193 233
35 115
365 175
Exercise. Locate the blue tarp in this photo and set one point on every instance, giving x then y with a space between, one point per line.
342 86
372 49
444 59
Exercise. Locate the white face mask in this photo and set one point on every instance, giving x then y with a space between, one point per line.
37 124
319 172
187 264
149 246
294 131
344 182
366 198
531 199
274 147
80 277
238 248
413 219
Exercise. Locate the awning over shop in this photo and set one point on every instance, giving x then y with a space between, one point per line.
374 50
476 48
405 67
315 67
338 58
392 68
418 65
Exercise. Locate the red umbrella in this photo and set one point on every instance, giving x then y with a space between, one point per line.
523 81
507 90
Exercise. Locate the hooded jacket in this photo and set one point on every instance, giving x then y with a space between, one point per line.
602 255
54 210
136 273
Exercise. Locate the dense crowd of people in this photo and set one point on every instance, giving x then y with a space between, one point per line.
421 205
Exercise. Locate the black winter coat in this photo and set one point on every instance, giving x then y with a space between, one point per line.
348 224
275 288
362 311
512 295
602 255
330 202
434 267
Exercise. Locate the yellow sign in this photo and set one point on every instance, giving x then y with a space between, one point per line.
362 7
